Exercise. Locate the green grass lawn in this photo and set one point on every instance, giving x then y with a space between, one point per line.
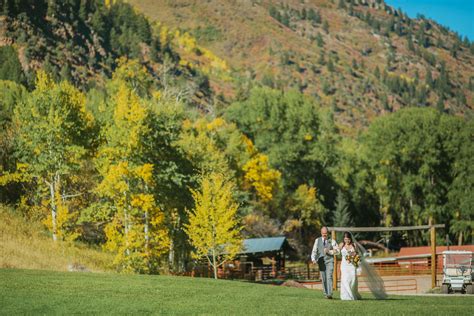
46 292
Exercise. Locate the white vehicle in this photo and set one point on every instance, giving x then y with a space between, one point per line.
457 271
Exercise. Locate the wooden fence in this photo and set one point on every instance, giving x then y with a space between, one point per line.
392 285
309 272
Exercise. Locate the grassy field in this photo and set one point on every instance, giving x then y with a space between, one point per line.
45 292
25 245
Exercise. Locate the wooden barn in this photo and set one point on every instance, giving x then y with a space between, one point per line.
260 258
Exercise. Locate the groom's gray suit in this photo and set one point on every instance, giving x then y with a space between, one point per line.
325 261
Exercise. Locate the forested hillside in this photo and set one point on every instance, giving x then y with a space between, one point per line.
116 130
82 41
363 58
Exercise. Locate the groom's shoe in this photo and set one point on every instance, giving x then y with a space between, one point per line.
329 297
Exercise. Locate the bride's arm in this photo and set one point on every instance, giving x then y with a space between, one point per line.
335 250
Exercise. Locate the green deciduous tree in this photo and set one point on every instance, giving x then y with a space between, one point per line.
284 126
461 191
10 94
297 137
412 154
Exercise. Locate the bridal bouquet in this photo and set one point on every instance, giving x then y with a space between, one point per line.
353 258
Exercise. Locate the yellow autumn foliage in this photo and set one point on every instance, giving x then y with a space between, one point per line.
199 140
185 41
114 182
143 201
128 116
136 233
165 35
52 129
65 219
145 172
157 95
19 175
213 228
261 177
215 124
306 205
249 146
137 249
43 81
208 61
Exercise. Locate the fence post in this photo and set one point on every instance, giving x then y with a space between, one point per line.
273 267
433 254
334 273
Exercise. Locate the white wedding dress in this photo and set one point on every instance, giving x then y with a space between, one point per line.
349 289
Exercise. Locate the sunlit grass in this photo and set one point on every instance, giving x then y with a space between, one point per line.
26 245
47 292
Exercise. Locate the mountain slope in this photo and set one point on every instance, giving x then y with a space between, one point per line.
82 42
361 57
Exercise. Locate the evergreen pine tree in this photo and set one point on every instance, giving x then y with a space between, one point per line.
354 64
322 59
341 216
377 72
326 27
440 104
351 9
471 83
411 47
330 65
285 20
429 78
319 40
10 67
342 4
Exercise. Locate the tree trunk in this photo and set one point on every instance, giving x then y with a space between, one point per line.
147 236
53 209
147 240
127 224
171 254
460 239
214 264
126 229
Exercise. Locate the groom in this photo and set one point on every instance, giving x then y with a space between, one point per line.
323 253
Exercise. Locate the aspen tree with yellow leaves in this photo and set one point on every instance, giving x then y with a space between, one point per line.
213 227
136 232
261 177
199 140
52 130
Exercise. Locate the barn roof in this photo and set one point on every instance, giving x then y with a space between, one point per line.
266 244
426 250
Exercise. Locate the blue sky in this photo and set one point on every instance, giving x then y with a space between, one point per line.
458 15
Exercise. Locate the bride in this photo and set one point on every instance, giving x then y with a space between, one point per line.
349 289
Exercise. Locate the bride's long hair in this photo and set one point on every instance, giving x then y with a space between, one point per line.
373 279
347 235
